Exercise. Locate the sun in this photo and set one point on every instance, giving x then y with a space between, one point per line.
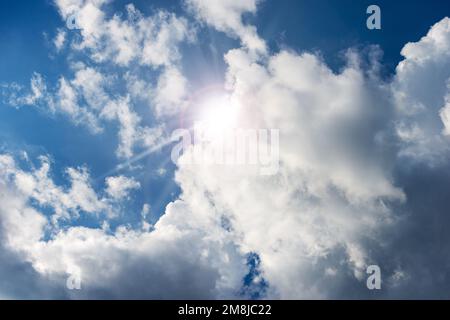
218 113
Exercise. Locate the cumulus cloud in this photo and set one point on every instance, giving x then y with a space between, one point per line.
421 88
173 260
336 190
335 185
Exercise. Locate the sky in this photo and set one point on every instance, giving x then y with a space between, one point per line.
96 97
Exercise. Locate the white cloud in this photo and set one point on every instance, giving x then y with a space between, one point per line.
85 101
320 113
91 83
170 93
67 101
420 88
335 190
60 39
131 133
16 97
174 260
226 16
445 113
120 186
160 47
39 186
151 41
335 182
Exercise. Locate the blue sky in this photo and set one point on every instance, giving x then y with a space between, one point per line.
354 163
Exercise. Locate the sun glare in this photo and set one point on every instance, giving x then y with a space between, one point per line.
218 113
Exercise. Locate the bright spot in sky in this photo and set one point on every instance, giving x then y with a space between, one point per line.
218 113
